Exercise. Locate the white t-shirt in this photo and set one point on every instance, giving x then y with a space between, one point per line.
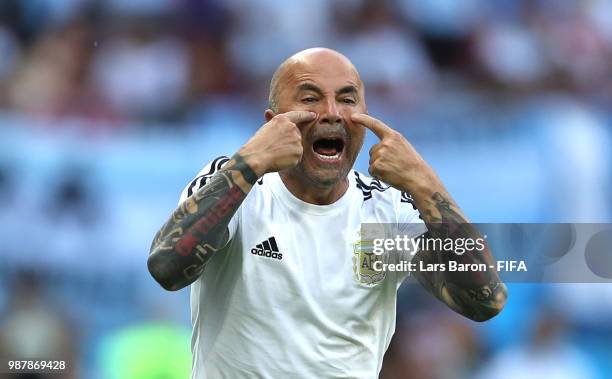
290 296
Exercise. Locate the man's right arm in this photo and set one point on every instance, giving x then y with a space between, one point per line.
199 226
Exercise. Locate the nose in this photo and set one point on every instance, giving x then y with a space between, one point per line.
330 114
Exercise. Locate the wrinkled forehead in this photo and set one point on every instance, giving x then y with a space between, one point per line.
329 71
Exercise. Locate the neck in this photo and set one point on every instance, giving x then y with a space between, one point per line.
310 192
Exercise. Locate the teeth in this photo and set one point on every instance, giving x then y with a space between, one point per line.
329 157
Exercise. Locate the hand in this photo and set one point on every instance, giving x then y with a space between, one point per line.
277 145
393 160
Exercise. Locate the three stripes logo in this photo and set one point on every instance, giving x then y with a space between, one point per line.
268 249
375 185
211 169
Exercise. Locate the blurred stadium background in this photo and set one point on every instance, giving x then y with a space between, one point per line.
108 108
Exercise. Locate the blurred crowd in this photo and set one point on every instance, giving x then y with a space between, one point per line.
167 60
509 100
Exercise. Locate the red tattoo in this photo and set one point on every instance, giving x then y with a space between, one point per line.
225 205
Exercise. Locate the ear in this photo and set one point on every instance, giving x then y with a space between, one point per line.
269 114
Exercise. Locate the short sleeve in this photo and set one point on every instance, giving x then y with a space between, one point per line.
409 218
410 224
200 181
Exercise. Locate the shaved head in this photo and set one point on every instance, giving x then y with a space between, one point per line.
308 56
326 83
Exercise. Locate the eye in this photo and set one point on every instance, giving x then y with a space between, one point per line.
348 100
309 100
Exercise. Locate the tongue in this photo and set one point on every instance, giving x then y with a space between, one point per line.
326 150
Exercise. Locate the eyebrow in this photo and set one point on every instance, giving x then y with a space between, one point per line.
342 91
347 89
309 87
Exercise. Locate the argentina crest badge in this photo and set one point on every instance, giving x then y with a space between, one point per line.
366 271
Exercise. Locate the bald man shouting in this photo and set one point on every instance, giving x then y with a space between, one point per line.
269 238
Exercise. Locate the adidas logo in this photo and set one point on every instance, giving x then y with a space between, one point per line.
268 249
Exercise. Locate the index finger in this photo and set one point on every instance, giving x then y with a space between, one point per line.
300 116
376 126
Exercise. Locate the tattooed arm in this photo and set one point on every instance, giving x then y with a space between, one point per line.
198 228
477 295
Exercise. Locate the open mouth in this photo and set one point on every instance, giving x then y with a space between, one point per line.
328 148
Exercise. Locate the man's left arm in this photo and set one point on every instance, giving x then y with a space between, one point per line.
476 295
